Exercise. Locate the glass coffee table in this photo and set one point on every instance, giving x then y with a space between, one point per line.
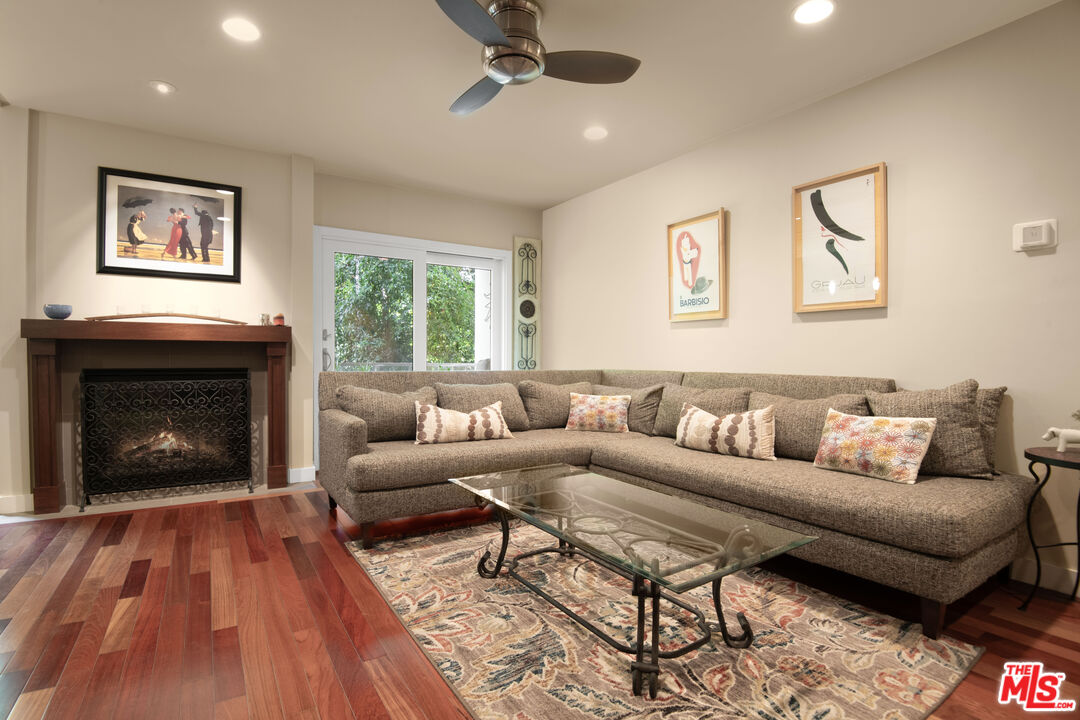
664 545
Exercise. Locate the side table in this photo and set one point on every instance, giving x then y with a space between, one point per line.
1049 457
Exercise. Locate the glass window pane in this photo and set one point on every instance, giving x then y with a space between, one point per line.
458 318
373 313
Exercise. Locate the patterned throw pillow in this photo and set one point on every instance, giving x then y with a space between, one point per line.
598 413
749 434
880 447
439 425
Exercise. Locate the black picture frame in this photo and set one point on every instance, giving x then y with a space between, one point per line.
149 246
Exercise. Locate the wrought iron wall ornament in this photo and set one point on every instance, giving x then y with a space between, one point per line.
527 255
526 359
527 295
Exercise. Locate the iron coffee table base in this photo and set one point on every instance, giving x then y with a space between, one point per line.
647 656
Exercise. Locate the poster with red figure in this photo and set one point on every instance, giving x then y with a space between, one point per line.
697 268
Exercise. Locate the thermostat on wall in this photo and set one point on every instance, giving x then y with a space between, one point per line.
1037 235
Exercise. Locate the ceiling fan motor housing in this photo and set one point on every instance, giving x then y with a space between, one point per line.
523 60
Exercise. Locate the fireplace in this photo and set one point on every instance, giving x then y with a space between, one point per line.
149 429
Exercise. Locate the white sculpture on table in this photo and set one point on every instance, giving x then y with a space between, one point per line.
1064 437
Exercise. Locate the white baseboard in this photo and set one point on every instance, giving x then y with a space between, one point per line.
1054 577
10 504
302 475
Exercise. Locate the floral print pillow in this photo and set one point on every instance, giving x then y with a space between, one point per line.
880 447
598 413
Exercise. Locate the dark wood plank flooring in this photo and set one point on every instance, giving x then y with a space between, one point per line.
253 608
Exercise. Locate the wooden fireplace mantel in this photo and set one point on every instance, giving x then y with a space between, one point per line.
46 338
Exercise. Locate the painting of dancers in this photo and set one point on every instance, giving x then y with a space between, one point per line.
167 227
697 268
839 247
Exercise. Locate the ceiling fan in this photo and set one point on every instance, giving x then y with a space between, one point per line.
514 55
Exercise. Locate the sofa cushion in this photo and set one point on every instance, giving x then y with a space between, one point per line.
799 422
466 398
802 387
598 413
389 416
719 402
945 516
644 402
748 434
886 448
439 425
402 463
957 448
548 405
988 404
640 378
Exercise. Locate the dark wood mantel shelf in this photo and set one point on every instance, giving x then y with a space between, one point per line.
46 338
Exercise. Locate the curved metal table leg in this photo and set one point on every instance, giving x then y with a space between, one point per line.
736 641
1031 533
483 567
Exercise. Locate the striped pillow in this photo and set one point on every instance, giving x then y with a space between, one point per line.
439 425
749 434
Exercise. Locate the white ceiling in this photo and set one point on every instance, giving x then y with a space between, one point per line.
363 86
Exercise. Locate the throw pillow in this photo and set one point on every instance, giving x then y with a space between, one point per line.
389 416
798 422
464 397
438 425
548 405
957 448
718 401
598 413
749 434
988 403
644 402
880 447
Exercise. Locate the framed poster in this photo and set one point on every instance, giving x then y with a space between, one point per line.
697 268
839 229
162 226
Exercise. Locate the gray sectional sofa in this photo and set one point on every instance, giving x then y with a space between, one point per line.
938 539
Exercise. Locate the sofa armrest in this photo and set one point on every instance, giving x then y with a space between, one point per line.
341 436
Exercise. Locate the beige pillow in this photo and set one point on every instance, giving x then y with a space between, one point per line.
464 397
644 402
389 416
798 422
880 447
548 405
438 425
718 401
598 413
957 448
749 434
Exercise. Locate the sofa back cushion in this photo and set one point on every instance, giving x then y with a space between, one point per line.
389 416
639 378
644 402
719 402
467 397
988 404
438 425
957 447
801 387
548 405
799 422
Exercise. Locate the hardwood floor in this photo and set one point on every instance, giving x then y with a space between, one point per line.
253 608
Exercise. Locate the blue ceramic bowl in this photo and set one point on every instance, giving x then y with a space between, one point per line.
57 312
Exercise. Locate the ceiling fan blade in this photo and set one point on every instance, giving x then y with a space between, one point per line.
589 66
474 20
476 97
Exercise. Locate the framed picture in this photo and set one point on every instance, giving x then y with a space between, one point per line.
163 226
839 229
697 268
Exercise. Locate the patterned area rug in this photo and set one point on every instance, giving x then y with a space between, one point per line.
509 654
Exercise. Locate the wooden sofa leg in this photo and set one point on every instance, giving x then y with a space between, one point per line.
1004 575
332 501
933 617
367 535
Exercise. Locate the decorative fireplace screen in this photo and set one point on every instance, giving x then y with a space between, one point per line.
147 429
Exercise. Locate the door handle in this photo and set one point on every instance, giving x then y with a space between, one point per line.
327 361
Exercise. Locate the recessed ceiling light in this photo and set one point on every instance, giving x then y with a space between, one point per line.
163 87
595 133
813 11
241 29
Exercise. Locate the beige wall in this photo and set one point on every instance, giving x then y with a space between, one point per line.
976 138
428 215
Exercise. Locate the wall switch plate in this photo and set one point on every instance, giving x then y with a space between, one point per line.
1037 235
